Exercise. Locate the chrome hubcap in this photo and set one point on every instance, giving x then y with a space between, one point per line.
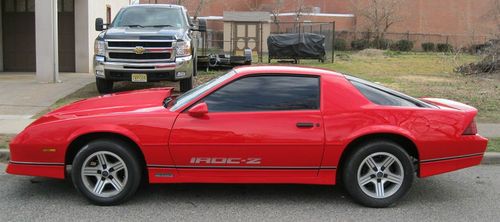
380 175
104 174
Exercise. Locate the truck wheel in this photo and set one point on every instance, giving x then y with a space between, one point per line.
195 66
104 86
186 84
106 172
378 173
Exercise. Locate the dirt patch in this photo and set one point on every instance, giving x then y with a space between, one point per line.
371 53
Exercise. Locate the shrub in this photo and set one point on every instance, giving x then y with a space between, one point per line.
444 47
428 46
360 44
380 44
402 45
340 45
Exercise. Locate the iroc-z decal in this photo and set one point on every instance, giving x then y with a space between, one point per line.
224 160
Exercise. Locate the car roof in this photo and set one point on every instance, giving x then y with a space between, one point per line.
155 5
285 69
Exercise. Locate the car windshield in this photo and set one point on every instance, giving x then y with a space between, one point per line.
149 17
194 93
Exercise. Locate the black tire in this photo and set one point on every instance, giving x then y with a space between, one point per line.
118 148
195 65
104 86
186 84
355 160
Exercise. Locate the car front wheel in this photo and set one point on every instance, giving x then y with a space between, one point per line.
377 174
105 172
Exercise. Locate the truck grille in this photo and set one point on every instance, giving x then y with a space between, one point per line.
143 44
126 55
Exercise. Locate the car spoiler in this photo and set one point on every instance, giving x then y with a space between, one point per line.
450 104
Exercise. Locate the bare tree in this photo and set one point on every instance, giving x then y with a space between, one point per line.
300 9
490 50
253 5
201 4
380 14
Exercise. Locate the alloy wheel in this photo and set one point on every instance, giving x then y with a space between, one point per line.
104 174
380 175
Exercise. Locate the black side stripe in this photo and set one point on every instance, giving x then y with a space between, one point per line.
451 157
36 163
242 167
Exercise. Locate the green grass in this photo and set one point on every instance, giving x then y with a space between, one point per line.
5 140
494 145
416 74
425 75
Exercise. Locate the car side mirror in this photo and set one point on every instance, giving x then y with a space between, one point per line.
99 24
198 110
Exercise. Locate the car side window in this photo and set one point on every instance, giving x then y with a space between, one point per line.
266 93
381 97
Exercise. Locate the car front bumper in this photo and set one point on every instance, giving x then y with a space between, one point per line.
182 68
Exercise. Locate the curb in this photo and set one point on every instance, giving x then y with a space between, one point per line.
490 158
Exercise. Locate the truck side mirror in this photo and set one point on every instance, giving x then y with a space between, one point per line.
99 24
202 25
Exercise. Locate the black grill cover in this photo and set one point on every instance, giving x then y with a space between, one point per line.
295 45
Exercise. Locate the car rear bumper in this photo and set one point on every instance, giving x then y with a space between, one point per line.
181 68
469 152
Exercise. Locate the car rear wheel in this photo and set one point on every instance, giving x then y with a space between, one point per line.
104 86
186 84
378 173
105 172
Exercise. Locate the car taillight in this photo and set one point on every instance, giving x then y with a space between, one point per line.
471 129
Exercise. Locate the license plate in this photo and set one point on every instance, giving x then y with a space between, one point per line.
136 77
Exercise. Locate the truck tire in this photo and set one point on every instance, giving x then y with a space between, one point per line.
186 84
104 86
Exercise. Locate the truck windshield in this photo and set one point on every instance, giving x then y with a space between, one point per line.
149 17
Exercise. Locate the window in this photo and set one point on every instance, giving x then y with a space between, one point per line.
195 92
266 93
381 97
153 16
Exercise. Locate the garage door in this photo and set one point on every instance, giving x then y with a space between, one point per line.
18 30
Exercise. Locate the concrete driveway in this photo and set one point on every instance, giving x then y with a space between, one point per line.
21 96
467 195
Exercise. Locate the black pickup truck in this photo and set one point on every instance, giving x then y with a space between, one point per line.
146 43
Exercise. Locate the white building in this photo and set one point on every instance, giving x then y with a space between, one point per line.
48 36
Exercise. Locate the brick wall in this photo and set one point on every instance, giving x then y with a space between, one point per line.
466 21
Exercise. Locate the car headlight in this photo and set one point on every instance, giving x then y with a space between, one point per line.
183 48
100 48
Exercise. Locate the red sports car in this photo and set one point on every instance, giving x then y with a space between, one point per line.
259 124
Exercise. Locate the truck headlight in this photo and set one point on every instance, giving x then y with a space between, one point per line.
183 48
100 48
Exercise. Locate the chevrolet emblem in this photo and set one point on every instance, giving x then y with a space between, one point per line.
139 50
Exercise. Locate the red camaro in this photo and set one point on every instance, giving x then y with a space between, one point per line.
260 124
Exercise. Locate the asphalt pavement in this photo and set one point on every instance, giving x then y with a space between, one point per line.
468 195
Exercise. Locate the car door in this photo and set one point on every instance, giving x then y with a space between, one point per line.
265 125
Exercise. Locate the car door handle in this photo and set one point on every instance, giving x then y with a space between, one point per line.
305 125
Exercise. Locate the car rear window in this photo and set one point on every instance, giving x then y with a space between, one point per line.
266 93
381 97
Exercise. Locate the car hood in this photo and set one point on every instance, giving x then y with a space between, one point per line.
163 33
132 101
